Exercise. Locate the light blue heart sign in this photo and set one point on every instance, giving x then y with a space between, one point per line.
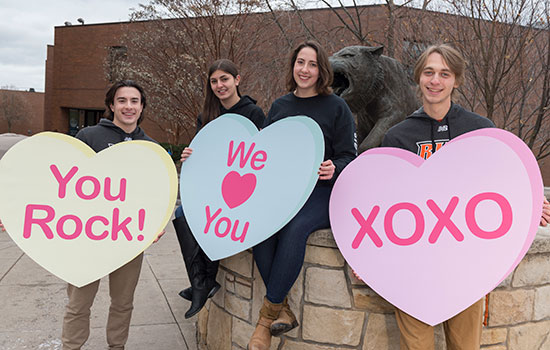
241 186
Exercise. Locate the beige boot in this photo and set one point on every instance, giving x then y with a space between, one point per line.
285 322
261 338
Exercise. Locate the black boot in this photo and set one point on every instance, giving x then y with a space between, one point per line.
205 286
196 267
211 272
186 293
211 267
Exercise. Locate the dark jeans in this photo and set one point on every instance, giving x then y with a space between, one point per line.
179 212
281 257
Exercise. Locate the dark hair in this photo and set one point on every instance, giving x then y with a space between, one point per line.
211 108
451 56
110 97
325 70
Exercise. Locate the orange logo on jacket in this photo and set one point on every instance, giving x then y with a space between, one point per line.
425 148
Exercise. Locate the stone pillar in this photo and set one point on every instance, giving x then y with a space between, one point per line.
338 311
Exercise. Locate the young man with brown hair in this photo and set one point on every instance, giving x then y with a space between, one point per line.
438 72
124 103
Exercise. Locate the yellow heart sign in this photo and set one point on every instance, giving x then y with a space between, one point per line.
81 214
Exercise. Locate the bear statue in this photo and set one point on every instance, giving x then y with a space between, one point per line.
376 88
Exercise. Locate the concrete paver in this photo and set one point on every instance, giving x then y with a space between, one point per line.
32 303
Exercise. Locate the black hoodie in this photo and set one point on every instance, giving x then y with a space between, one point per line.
334 118
420 133
106 134
245 107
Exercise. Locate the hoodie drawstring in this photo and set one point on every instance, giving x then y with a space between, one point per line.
449 128
432 133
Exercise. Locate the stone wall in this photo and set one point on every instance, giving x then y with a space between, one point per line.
337 311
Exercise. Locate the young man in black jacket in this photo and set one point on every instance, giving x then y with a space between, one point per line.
125 102
438 72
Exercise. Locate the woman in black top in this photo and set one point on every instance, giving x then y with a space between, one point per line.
222 96
280 258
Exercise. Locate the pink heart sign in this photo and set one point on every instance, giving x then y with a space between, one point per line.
433 237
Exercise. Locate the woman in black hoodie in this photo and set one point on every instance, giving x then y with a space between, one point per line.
222 96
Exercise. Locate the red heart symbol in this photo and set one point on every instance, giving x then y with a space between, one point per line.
236 189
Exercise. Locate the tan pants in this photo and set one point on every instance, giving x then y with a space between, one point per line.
462 332
76 323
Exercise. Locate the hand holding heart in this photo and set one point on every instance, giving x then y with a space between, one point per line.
545 219
186 153
326 171
82 215
159 236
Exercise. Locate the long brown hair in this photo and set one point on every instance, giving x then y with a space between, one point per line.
325 70
211 108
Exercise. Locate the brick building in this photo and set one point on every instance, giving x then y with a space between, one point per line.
21 112
76 79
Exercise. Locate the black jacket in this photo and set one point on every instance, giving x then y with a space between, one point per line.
246 107
420 133
333 116
106 134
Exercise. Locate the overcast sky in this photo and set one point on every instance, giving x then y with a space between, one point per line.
27 27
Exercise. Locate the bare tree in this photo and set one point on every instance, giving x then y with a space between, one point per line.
508 73
176 42
290 18
358 22
340 25
13 108
396 13
538 133
493 35
354 19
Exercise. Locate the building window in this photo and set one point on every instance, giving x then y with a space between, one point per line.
92 117
80 118
73 121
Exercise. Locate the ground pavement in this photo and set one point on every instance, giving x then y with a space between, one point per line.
32 303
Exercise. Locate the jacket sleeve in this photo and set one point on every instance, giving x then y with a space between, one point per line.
388 141
395 137
81 135
344 143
